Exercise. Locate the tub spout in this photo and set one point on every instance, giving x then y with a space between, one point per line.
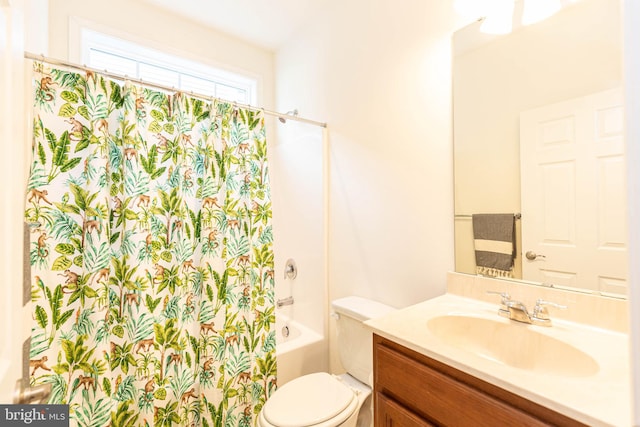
284 301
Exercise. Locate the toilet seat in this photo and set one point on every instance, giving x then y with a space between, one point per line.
318 400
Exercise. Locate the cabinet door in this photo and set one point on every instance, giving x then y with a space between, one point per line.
391 414
411 387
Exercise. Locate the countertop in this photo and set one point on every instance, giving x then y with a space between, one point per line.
601 399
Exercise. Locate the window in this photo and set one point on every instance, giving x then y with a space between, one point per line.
118 56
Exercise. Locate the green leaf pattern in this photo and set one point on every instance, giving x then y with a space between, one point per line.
151 255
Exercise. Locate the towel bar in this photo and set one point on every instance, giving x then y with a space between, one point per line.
516 216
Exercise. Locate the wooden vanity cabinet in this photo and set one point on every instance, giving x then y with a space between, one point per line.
413 390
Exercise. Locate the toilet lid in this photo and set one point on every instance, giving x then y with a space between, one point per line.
308 400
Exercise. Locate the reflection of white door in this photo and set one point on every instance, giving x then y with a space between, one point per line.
573 193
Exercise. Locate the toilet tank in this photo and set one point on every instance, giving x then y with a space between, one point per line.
354 339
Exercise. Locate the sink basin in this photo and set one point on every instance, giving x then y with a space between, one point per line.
514 344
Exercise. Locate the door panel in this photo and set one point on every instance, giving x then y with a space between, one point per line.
573 193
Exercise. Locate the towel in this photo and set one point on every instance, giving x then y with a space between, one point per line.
494 242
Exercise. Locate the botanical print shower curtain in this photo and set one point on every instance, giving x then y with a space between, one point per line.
151 255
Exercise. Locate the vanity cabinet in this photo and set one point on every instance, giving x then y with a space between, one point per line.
413 390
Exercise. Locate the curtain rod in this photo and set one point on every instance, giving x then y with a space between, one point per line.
53 61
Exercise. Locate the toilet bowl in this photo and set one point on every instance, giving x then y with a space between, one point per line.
319 400
324 400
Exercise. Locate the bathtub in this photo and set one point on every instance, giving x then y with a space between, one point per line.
299 350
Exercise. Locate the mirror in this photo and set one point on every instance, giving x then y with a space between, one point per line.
573 54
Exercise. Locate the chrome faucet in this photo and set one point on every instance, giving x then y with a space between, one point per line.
518 312
515 310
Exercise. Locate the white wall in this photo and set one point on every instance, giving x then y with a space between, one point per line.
296 166
295 161
14 318
379 73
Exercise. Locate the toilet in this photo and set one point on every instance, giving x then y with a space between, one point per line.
324 400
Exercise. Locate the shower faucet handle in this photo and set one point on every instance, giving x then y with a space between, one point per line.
290 269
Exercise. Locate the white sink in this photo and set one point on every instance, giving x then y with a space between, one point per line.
514 344
575 369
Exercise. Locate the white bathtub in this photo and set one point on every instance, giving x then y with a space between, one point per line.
302 352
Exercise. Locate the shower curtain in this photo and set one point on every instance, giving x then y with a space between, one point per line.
151 254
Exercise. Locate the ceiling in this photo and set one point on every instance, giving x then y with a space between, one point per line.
267 23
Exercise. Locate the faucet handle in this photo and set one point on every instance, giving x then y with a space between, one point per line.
505 300
505 297
540 310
